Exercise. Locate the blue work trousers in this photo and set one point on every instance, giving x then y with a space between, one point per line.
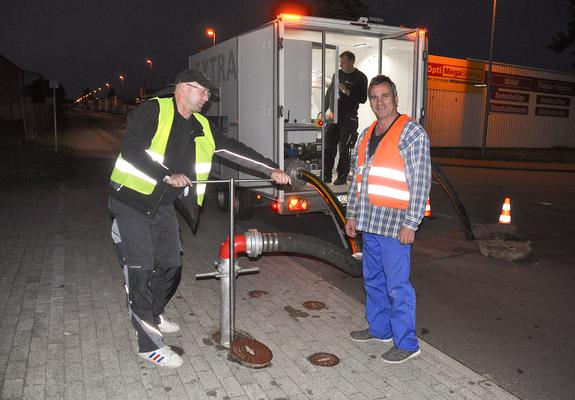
390 298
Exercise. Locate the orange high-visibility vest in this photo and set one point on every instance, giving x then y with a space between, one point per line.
386 183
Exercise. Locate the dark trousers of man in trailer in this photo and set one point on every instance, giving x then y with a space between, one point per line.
342 137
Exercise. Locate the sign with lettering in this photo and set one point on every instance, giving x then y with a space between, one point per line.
445 73
508 108
509 96
552 112
554 87
554 101
511 81
219 67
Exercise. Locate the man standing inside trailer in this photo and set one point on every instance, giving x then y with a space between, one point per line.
352 86
167 145
390 186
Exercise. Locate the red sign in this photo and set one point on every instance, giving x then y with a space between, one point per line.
508 108
510 96
511 81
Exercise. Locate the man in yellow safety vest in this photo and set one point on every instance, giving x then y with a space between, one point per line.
167 145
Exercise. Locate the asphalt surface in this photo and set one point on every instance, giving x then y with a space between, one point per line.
510 322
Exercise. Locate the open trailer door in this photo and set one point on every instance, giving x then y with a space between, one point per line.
404 60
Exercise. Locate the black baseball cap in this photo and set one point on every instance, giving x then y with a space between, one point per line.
192 75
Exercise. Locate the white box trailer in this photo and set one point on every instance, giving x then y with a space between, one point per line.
272 83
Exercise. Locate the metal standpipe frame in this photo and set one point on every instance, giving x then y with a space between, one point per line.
224 269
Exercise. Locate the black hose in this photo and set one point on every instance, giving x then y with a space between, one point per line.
334 204
311 246
441 178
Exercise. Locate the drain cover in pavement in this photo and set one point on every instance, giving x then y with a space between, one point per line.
216 336
323 359
251 353
256 294
314 305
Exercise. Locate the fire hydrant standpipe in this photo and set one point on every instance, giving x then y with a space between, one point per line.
254 243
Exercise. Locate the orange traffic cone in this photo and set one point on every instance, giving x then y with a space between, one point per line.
428 213
505 216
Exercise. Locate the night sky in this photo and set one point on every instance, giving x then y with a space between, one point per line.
87 43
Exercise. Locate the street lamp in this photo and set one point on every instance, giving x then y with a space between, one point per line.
107 85
489 76
151 64
211 33
122 77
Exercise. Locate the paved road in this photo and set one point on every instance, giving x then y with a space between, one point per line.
511 322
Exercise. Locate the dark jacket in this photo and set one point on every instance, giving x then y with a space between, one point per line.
180 155
347 106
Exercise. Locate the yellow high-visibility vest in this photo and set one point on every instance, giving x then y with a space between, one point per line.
126 174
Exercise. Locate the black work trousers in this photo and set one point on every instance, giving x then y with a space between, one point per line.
149 248
338 137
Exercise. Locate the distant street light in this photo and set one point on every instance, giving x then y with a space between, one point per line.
107 85
211 33
122 77
151 64
489 77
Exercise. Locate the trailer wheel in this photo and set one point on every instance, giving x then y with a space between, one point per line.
244 203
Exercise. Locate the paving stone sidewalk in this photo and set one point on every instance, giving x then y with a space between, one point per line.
65 332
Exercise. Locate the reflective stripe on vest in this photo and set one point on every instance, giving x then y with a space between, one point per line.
386 182
126 174
205 147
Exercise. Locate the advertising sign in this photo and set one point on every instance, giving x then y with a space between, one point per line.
508 108
554 101
552 112
445 73
510 96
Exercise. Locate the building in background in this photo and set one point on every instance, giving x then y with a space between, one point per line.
529 107
25 103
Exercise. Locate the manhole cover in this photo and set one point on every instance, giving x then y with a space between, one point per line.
323 359
251 353
256 294
314 305
216 336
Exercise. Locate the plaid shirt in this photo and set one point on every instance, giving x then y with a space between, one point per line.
414 149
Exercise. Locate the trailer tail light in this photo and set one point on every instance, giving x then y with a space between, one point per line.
297 204
275 206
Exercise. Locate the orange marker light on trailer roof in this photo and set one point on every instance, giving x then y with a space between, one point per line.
289 17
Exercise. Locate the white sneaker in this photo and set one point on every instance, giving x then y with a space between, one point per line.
167 326
163 357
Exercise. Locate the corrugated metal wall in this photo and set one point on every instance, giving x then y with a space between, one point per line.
455 119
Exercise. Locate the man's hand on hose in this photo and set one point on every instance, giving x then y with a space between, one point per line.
178 180
281 177
350 227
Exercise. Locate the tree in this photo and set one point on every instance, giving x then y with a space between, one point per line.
565 39
340 9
